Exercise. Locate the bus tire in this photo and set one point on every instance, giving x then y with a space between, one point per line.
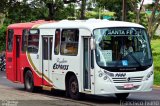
73 88
28 82
122 96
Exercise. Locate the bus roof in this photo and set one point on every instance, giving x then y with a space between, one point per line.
89 24
28 24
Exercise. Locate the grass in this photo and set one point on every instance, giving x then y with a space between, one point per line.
155 45
156 78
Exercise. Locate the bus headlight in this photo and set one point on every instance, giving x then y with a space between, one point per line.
100 74
149 75
105 77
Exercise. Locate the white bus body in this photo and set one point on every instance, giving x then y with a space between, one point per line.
100 70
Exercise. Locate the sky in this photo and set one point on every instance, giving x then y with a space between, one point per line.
148 2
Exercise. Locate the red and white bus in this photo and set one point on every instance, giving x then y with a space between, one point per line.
90 56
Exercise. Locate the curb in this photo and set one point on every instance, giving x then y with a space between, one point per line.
156 86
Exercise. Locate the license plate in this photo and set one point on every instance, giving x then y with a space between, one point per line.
128 85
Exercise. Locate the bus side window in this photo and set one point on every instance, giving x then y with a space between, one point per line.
33 41
69 42
57 42
10 40
24 40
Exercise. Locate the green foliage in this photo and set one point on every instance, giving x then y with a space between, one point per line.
91 14
3 37
157 77
155 37
156 57
143 18
64 12
94 14
131 16
59 11
115 6
22 12
3 5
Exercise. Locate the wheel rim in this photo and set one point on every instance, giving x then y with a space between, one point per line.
29 82
74 87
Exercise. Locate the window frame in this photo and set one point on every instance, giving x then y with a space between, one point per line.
28 41
57 42
25 42
47 47
10 41
75 42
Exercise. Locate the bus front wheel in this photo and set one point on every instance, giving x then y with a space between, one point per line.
122 96
73 88
28 83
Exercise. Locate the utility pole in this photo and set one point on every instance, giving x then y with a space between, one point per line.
124 10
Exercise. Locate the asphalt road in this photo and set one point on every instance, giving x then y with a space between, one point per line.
12 94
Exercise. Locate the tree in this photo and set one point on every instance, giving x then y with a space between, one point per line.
3 6
153 20
115 6
83 8
3 10
24 11
56 8
2 37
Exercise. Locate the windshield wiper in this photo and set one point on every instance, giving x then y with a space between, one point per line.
134 58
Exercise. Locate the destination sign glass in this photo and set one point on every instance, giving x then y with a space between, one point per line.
123 31
34 31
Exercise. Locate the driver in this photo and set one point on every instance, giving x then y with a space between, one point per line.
126 48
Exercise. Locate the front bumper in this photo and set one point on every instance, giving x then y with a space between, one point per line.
103 87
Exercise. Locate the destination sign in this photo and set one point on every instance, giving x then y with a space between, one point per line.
34 31
123 31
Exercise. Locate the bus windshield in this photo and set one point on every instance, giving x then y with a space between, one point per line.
122 49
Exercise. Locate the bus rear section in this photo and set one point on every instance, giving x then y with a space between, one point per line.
16 47
13 54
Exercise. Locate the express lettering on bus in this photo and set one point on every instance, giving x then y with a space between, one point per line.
59 65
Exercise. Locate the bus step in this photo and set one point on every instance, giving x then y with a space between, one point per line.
48 88
17 82
87 90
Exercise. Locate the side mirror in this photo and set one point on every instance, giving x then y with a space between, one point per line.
92 44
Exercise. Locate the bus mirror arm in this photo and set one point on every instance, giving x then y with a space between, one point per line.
92 43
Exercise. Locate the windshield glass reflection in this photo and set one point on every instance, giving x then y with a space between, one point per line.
122 47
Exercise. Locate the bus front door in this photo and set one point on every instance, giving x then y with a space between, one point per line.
86 65
46 58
